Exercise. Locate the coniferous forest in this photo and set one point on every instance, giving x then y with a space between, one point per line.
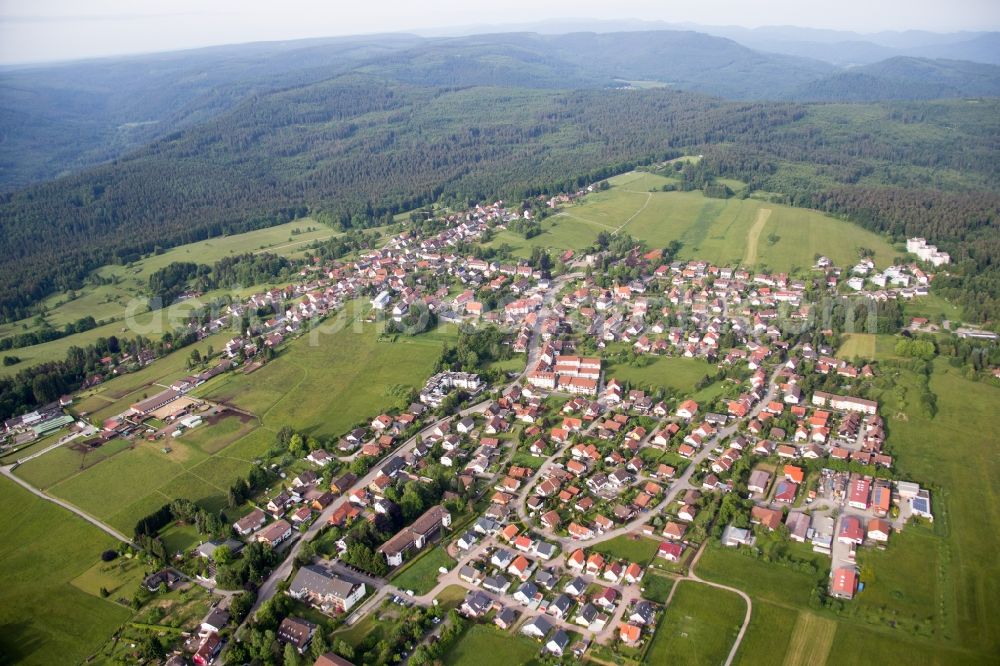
400 131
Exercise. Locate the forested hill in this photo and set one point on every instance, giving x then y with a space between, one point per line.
350 150
464 119
903 78
59 119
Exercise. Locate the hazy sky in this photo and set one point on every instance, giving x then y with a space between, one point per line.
39 30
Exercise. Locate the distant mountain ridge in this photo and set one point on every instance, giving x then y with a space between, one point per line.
58 119
838 47
904 78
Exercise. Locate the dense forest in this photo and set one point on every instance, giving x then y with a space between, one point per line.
411 128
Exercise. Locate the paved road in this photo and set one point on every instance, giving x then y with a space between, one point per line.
6 471
87 432
269 587
682 483
282 571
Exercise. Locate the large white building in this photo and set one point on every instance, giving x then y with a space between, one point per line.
929 253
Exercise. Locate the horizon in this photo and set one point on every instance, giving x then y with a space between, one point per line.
63 35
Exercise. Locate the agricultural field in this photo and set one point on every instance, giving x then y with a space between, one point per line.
675 372
722 231
123 481
966 506
44 617
559 233
698 627
323 385
422 575
625 547
810 641
322 389
484 645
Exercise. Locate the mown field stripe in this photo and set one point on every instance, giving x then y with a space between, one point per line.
811 641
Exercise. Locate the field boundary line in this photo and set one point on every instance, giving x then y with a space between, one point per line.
746 597
583 219
66 505
649 197
753 236
811 640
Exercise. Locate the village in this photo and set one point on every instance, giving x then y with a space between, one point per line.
550 470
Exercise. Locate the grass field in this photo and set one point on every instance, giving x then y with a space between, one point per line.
451 597
766 640
759 579
326 387
322 389
699 626
422 575
625 547
932 306
674 371
889 574
723 231
149 324
121 482
120 577
359 631
44 619
656 587
868 346
857 345
810 641
968 504
483 645
114 302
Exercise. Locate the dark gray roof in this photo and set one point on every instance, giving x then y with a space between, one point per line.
317 580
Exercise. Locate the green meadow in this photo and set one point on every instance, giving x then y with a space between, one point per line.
421 576
698 627
327 380
675 372
45 618
122 303
625 547
484 645
722 231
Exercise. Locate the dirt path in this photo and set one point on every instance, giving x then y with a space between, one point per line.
585 220
6 471
649 197
746 619
753 236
